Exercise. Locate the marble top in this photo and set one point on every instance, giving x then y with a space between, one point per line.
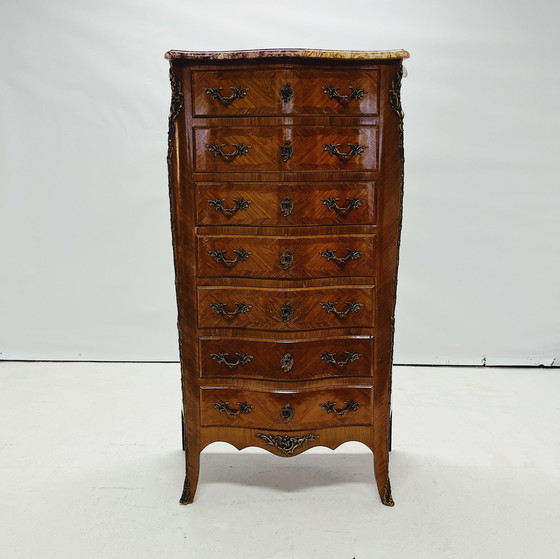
277 53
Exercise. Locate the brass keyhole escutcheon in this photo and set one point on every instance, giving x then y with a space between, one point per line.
287 259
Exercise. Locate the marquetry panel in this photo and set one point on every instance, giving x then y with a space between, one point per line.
270 204
267 148
286 257
286 360
286 410
277 309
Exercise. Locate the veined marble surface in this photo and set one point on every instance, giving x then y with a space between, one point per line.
277 53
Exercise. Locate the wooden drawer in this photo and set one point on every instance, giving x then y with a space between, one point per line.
286 204
328 91
237 92
335 92
286 257
285 309
271 148
286 410
286 360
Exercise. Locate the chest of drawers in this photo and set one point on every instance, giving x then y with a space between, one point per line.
285 178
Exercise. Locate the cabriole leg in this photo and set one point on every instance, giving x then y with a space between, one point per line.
192 463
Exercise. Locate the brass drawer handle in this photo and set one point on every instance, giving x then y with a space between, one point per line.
224 407
330 358
355 93
240 205
350 405
242 359
351 254
355 149
220 308
353 204
219 256
217 151
237 93
286 443
351 307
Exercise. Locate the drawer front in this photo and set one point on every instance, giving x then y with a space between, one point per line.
285 309
280 92
286 257
294 410
335 92
286 360
269 148
286 204
237 92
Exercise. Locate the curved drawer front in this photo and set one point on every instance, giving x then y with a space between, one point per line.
286 257
285 204
237 92
294 410
333 92
285 309
286 360
271 148
275 92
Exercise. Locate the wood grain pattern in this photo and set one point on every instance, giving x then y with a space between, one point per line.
268 257
310 98
306 405
262 95
196 176
265 143
305 361
264 208
266 305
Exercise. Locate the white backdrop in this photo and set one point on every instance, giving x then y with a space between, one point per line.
85 249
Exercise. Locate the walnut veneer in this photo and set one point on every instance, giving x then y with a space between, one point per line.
285 178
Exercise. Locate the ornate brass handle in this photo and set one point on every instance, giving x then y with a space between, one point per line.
353 204
351 254
355 93
240 205
351 307
220 308
350 405
355 149
219 256
242 359
237 93
217 151
330 359
224 407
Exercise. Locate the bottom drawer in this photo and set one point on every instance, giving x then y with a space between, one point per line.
286 410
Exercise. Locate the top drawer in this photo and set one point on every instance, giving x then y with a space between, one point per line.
279 92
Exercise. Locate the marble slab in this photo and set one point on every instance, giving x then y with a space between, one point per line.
293 53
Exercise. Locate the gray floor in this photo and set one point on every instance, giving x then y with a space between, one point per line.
91 466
